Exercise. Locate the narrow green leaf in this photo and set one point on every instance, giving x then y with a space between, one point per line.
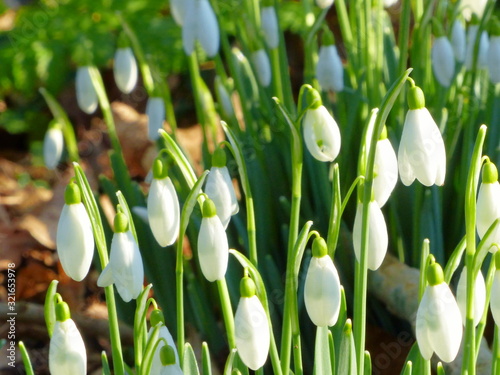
105 364
179 157
454 260
152 344
367 363
189 365
322 360
300 246
331 346
440 369
49 307
228 368
408 368
140 327
347 355
205 359
26 359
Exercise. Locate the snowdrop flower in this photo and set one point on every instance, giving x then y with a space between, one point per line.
157 366
322 287
488 205
155 110
125 69
324 3
251 327
169 364
213 249
482 55
67 354
385 168
321 132
125 268
219 188
270 27
443 58
262 67
421 152
472 7
53 144
178 10
495 291
377 235
458 40
389 3
329 69
439 324
163 206
86 96
74 239
224 98
493 60
200 23
479 296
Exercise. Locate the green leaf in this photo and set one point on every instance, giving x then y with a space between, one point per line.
140 326
322 360
49 307
26 359
189 365
440 369
407 370
228 368
105 364
347 354
179 157
205 359
367 363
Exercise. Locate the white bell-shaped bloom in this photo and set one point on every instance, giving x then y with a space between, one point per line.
479 296
389 3
329 69
322 287
178 10
67 354
163 207
321 134
488 206
200 24
494 59
324 3
458 40
439 323
155 110
482 56
224 98
251 327
443 60
377 235
53 145
156 364
270 27
74 239
125 268
421 151
86 96
220 190
125 70
470 7
386 171
213 249
495 297
262 67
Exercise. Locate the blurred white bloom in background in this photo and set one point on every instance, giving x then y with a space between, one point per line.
470 7
53 146
125 70
458 40
443 60
324 3
155 110
224 98
270 28
482 55
262 67
86 95
178 10
200 24
329 69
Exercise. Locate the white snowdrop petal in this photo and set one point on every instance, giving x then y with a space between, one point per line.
178 10
386 171
125 70
156 365
483 48
329 69
389 3
155 110
321 134
262 66
208 29
75 241
322 291
422 328
495 298
493 60
251 332
53 145
470 7
67 354
213 249
163 211
324 3
269 22
479 296
377 235
174 369
458 40
219 189
443 60
224 98
488 210
190 26
86 95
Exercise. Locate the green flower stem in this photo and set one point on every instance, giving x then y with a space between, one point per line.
26 359
361 270
67 129
469 363
495 366
276 72
345 26
227 312
424 257
140 326
311 50
404 42
100 240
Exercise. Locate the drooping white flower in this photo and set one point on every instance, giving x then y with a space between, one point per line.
86 96
251 327
262 67
321 132
67 354
125 69
74 239
488 205
329 69
322 287
178 10
324 3
224 98
443 60
220 190
495 291
494 59
200 24
163 206
270 27
377 235
482 55
439 323
125 268
470 7
155 110
157 366
421 152
458 40
479 296
386 170
213 249
53 145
